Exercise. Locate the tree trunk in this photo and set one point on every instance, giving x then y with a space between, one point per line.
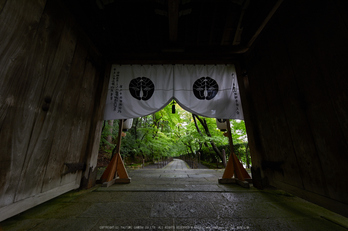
224 156
247 157
206 129
109 137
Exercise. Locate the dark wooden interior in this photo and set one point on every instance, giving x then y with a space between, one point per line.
55 59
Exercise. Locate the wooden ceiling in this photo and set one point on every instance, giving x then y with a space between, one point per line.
172 31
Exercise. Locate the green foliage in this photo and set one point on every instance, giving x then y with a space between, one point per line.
105 133
164 134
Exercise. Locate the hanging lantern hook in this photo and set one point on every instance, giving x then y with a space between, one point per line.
173 106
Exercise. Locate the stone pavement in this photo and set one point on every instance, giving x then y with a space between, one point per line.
176 164
176 199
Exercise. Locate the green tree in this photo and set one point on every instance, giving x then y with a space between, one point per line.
204 124
240 141
164 134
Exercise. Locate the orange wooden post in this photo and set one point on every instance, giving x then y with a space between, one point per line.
233 167
244 172
116 165
237 168
110 170
121 170
229 170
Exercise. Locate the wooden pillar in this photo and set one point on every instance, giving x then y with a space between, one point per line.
250 119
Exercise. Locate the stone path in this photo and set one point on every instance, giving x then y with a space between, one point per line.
176 164
176 199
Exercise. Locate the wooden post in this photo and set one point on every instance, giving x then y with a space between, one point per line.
116 165
234 167
229 170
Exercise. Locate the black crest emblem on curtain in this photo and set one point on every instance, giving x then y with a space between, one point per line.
205 88
141 88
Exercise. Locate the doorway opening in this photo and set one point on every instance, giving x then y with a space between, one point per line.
154 140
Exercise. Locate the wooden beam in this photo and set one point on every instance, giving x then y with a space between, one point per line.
264 23
228 30
250 119
239 30
173 19
206 55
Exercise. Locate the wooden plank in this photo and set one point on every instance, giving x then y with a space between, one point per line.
227 181
302 56
278 134
292 103
63 110
283 96
2 5
341 9
81 116
18 98
264 130
275 138
243 183
44 120
92 146
95 70
108 183
331 58
122 181
250 120
320 90
328 116
253 104
324 201
55 84
23 205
